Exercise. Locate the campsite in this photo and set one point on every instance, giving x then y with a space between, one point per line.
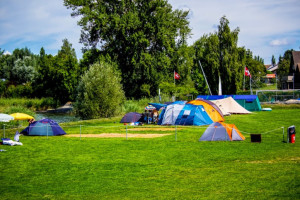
156 168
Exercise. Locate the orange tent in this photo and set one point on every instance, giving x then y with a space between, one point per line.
222 132
212 109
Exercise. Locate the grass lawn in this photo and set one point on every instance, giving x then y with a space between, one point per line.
156 168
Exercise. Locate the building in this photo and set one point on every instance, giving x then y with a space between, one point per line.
292 81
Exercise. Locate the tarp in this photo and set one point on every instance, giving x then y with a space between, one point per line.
158 106
212 109
222 132
230 106
44 127
131 117
184 114
249 102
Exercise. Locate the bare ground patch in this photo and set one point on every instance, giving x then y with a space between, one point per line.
153 129
117 135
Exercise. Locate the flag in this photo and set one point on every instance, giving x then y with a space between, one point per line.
176 76
247 73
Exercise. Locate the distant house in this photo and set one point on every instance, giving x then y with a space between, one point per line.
292 81
273 68
269 77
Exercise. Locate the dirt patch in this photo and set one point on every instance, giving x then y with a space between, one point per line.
117 135
153 129
294 159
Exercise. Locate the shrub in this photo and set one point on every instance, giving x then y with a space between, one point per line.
100 93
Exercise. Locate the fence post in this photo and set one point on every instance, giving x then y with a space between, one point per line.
282 134
47 130
176 133
126 133
3 130
80 132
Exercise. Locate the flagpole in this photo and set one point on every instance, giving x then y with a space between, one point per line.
244 77
250 86
174 77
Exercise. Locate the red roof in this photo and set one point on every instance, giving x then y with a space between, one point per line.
271 76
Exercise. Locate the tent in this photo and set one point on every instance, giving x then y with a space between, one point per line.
131 117
222 132
212 109
44 127
184 114
249 102
230 106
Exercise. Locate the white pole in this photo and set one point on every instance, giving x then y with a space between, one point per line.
176 133
80 132
244 78
205 78
250 86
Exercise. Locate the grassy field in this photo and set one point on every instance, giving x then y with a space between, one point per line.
156 168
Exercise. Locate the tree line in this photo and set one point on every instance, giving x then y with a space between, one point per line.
142 43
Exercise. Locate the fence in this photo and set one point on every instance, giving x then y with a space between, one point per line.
273 96
126 132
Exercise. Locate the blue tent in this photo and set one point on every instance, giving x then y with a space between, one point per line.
131 117
249 102
184 114
43 127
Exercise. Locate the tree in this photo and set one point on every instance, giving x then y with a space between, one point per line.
219 56
99 92
284 66
143 37
273 61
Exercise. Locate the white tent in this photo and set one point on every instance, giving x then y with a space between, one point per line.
230 106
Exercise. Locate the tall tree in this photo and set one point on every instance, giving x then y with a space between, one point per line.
142 36
273 61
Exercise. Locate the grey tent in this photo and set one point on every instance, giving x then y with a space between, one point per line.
230 106
219 131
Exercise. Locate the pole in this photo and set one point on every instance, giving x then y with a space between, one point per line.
293 85
3 130
205 78
244 78
80 132
250 86
282 134
176 133
126 133
47 130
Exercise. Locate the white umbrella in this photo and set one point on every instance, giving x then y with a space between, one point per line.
5 117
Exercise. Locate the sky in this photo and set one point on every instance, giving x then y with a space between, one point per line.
267 27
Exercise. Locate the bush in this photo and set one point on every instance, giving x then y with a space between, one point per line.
100 93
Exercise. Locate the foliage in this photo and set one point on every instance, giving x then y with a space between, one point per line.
284 66
99 92
144 37
219 55
32 104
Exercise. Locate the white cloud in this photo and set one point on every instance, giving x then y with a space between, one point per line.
279 42
6 53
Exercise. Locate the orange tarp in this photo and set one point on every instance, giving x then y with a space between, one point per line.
213 113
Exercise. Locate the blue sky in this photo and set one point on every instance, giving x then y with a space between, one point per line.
267 27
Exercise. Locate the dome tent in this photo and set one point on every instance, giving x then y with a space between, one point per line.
219 131
44 127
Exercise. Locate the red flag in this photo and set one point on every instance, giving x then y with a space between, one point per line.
247 73
176 76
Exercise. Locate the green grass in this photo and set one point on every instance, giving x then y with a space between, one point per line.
158 168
